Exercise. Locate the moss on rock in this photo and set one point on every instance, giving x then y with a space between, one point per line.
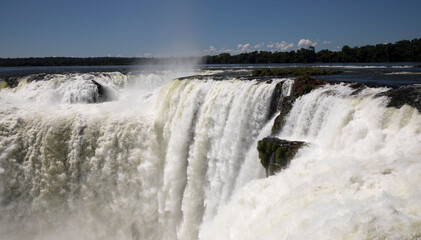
293 71
275 154
305 84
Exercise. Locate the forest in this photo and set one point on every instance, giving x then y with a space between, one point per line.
401 51
92 61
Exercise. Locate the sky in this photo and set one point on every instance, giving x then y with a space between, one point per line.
161 28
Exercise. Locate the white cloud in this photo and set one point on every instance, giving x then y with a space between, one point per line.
306 42
144 55
327 42
284 45
270 45
260 45
212 50
243 47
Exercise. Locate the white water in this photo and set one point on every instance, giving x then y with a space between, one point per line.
151 164
404 73
177 160
358 177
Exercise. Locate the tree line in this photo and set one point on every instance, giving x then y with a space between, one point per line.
92 61
67 61
401 51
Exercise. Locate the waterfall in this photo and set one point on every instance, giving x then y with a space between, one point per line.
357 177
162 158
155 161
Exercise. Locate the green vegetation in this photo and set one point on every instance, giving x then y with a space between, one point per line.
92 61
275 154
305 78
295 71
402 51
266 148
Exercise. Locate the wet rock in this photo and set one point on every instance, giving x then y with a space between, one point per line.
358 88
284 108
103 95
305 84
12 82
276 101
275 154
302 85
410 94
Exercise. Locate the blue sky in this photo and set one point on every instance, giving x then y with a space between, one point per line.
187 27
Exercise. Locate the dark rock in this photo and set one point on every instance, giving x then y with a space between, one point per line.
13 81
410 94
275 100
284 108
36 77
305 84
103 95
302 85
358 88
275 154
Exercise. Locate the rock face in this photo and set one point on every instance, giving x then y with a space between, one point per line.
305 84
410 95
302 85
275 154
284 108
276 99
103 96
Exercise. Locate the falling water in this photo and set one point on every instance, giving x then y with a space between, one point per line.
357 177
154 161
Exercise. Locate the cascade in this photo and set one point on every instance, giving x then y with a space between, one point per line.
356 178
154 162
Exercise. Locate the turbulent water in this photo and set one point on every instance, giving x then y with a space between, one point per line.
358 178
161 158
